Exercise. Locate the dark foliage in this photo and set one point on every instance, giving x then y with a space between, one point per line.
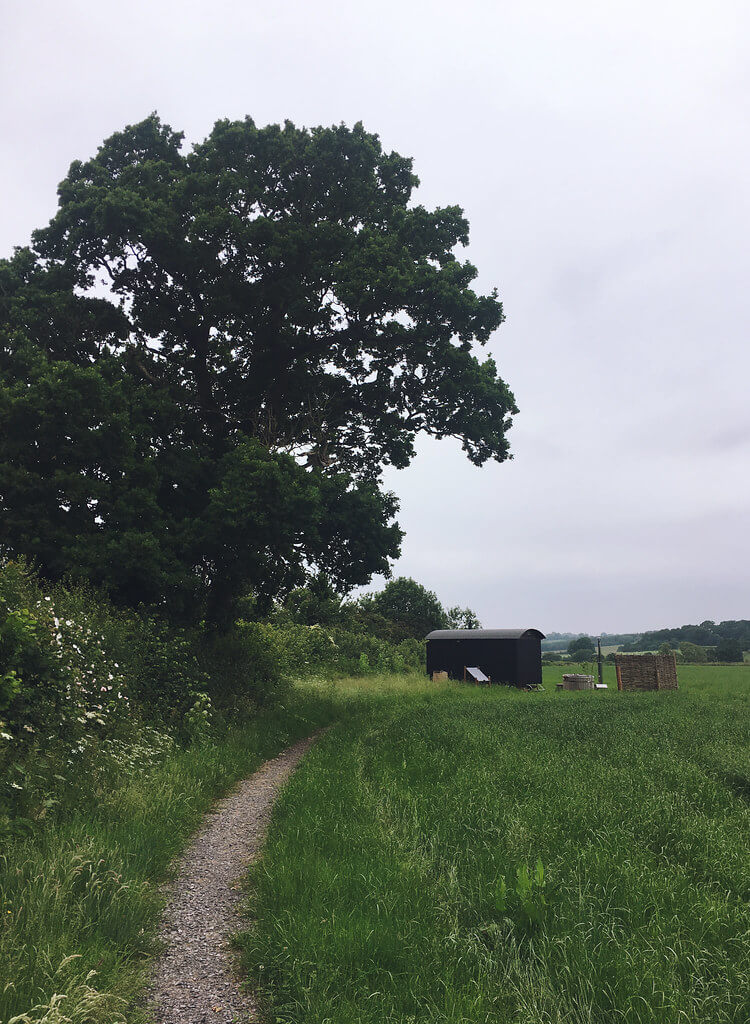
411 609
581 647
707 634
728 650
209 356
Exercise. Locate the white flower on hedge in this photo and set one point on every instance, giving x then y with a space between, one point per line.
6 736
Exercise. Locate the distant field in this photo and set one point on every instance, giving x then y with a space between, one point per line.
395 886
721 680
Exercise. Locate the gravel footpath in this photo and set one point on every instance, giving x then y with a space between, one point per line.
194 981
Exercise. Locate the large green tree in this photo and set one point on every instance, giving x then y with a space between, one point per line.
412 608
225 346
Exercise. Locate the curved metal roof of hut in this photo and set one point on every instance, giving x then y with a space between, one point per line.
483 634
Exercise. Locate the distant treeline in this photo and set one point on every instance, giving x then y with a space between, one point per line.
707 634
560 641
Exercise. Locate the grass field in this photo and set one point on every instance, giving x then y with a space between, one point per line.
390 889
456 855
80 894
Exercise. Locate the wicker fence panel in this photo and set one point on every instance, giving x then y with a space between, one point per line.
646 671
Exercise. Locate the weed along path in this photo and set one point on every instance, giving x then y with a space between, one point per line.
194 981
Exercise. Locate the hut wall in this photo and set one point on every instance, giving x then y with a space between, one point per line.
498 659
444 656
514 661
529 660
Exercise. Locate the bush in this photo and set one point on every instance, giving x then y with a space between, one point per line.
245 667
57 675
163 668
693 653
82 683
62 694
336 651
728 650
581 648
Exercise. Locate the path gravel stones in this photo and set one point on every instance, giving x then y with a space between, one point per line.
194 981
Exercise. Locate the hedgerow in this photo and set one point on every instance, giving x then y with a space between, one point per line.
335 650
83 684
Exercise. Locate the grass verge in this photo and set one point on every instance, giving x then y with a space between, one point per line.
402 881
80 897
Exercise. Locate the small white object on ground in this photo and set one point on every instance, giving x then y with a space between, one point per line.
477 674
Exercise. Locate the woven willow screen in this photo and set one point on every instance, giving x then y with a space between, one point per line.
646 672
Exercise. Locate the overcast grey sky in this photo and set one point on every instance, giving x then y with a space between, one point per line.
600 151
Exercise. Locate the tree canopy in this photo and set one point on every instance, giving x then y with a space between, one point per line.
693 652
209 355
411 610
582 647
706 634
462 618
728 650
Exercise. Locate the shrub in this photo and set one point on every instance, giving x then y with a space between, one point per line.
61 695
163 667
693 653
79 681
82 683
336 651
245 667
728 650
581 648
57 674
199 719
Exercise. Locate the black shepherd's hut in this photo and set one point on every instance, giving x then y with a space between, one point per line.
511 656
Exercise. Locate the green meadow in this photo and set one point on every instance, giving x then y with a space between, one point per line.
456 854
444 853
80 893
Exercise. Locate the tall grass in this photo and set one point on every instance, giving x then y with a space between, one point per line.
80 896
399 882
391 887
